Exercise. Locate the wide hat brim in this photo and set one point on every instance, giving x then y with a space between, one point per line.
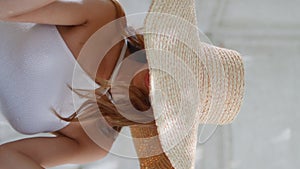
191 82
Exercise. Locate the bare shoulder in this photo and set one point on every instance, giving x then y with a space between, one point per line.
100 12
97 13
104 9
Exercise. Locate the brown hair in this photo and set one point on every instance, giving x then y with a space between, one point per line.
139 99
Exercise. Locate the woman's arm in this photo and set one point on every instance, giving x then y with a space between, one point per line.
9 8
46 152
72 146
71 12
30 153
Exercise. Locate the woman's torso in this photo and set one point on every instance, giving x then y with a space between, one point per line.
38 56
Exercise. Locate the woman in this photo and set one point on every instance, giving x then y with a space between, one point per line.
75 21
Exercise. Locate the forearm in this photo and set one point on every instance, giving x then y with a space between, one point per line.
10 159
40 151
9 8
49 152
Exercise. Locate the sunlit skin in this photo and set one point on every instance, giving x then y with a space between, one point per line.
76 21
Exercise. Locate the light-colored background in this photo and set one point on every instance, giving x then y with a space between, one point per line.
266 134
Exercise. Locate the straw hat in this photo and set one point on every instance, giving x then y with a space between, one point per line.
192 83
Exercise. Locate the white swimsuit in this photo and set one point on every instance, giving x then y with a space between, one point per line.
35 68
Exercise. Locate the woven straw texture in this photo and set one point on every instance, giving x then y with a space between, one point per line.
191 83
144 147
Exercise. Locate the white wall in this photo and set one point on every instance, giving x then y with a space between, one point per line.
266 133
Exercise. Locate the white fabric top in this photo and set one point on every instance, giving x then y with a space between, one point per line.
35 67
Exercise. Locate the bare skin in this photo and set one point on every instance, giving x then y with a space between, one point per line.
76 21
